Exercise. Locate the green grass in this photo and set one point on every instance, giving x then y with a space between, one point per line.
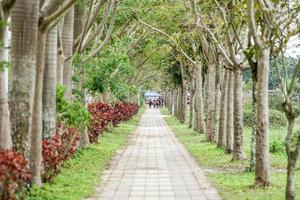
229 177
81 173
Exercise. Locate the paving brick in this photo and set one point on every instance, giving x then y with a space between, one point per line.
154 166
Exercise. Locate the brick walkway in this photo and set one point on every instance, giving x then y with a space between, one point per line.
154 166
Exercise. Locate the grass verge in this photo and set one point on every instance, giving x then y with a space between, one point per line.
82 173
229 177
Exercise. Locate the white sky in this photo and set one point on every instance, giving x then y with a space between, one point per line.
293 47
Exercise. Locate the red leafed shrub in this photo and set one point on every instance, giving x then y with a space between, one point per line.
52 160
102 115
14 173
124 111
57 150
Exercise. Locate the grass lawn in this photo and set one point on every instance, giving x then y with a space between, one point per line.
229 177
81 174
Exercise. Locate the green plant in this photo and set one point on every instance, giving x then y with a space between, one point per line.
277 146
72 114
276 118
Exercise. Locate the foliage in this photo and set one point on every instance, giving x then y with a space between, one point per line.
103 114
80 175
14 173
72 114
124 111
110 69
276 118
277 146
230 177
54 151
275 101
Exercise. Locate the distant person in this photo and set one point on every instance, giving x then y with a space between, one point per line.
150 103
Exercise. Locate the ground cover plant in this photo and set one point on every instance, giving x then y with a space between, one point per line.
80 174
231 178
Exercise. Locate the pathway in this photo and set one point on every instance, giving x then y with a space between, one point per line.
154 166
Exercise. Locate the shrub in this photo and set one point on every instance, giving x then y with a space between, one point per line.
14 173
102 115
124 111
277 146
52 160
275 101
276 118
57 150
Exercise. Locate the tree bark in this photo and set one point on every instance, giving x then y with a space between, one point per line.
37 115
292 146
254 108
24 21
217 100
223 112
182 106
200 125
229 126
49 87
238 144
262 172
173 102
191 119
67 40
210 119
5 136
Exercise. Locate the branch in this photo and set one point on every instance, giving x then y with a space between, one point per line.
170 38
100 28
253 27
106 39
84 31
294 76
220 46
52 17
8 4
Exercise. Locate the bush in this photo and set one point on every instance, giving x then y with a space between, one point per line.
277 146
275 101
124 111
57 150
276 118
102 115
14 173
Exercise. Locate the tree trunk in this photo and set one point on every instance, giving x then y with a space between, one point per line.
229 126
223 112
80 15
173 102
292 146
199 102
254 114
177 95
60 55
5 137
192 97
37 115
262 170
182 108
210 119
105 95
290 190
24 21
49 87
238 144
67 40
217 101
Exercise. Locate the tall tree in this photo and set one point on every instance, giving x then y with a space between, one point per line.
5 135
24 22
